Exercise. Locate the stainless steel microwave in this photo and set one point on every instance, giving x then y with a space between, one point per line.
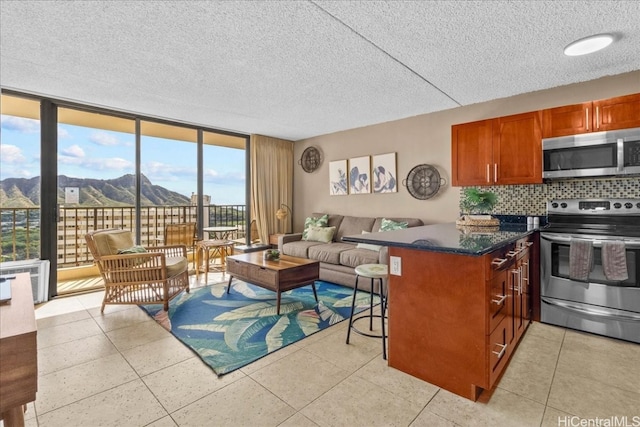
592 154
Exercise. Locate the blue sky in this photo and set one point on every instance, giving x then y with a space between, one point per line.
100 154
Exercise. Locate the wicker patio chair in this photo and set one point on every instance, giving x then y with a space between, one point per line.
182 234
133 275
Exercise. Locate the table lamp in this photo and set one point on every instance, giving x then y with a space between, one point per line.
282 213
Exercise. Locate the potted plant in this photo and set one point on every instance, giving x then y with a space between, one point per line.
475 201
476 205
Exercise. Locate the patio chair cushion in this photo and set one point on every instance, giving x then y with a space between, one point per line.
110 242
176 265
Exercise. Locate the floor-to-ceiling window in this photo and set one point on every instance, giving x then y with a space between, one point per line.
20 179
113 170
96 160
169 177
224 181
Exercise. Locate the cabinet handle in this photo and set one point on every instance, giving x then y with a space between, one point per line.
495 172
488 176
499 301
511 254
598 117
498 262
517 285
586 117
501 352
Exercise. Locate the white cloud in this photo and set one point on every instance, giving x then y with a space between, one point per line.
104 139
20 124
63 133
73 151
11 154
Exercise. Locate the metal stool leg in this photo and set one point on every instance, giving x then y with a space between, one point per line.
383 308
353 305
371 306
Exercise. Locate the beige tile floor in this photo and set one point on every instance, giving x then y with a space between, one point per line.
122 369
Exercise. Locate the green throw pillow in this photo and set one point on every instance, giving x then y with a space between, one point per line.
389 225
323 221
320 234
136 249
133 250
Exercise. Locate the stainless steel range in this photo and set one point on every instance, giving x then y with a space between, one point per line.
590 266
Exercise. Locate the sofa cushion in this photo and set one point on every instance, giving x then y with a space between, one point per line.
353 225
411 222
329 252
314 221
299 248
356 257
320 234
368 245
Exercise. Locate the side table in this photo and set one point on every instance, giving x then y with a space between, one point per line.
18 352
273 240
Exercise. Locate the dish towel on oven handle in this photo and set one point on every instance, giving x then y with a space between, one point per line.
580 259
614 260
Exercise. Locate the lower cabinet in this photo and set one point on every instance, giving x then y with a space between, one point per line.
455 320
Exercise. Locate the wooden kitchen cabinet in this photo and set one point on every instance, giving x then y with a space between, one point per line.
621 112
469 314
500 151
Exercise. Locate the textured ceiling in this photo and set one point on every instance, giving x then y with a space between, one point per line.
296 69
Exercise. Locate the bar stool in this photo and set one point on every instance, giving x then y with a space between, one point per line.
373 272
207 251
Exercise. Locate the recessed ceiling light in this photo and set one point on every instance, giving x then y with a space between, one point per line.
588 45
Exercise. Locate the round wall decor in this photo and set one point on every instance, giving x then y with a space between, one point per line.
423 182
310 159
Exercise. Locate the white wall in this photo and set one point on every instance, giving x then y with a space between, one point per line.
423 139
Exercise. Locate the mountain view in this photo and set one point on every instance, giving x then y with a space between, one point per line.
25 193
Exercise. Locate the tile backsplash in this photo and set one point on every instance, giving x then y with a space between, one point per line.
532 199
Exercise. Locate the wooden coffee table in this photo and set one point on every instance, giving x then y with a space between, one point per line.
278 276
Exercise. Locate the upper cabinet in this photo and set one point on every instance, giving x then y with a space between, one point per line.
615 113
505 150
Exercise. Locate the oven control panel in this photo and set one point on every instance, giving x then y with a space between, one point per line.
594 206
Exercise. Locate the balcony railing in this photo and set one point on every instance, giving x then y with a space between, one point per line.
20 237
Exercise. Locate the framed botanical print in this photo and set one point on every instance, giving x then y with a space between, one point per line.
383 175
338 178
359 170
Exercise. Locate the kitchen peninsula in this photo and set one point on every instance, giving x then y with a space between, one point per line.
458 301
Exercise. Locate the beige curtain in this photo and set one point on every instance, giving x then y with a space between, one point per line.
271 183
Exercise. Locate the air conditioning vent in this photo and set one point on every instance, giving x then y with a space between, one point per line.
39 271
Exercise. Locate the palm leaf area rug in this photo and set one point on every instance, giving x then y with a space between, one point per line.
229 331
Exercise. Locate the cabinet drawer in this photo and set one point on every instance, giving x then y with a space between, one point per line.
498 299
262 275
237 267
498 349
499 260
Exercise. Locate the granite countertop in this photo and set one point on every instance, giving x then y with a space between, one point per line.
446 238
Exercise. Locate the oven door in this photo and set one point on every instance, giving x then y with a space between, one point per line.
598 290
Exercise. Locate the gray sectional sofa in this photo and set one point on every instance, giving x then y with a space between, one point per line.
338 259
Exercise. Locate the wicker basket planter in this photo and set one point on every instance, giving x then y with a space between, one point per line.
479 221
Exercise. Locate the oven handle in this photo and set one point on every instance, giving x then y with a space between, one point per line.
591 312
560 238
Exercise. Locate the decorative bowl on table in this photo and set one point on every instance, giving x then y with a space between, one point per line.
271 255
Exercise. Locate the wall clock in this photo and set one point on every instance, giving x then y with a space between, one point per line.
423 182
310 159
